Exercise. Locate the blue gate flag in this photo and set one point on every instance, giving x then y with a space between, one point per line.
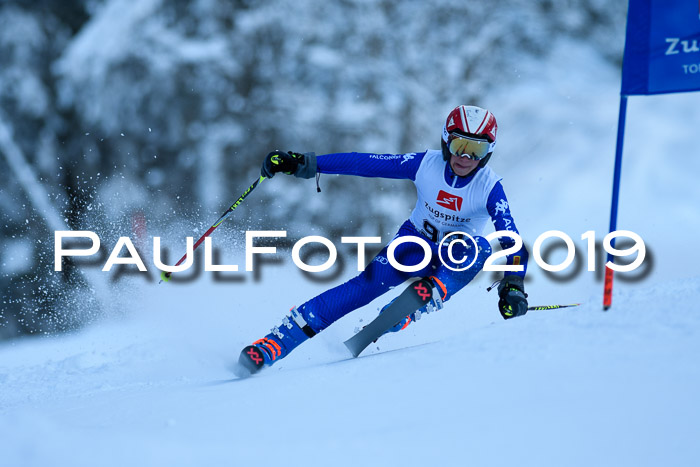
662 47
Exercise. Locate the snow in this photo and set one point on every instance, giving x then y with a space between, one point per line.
571 387
16 257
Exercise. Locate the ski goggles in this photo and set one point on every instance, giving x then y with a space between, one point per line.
471 148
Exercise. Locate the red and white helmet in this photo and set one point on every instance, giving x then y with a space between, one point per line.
472 122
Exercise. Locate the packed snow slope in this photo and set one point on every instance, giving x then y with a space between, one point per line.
568 387
151 384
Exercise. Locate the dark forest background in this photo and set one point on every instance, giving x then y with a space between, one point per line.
139 117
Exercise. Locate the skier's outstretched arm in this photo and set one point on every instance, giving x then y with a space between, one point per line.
371 165
397 166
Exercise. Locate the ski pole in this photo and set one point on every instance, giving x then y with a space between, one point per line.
165 276
550 307
541 307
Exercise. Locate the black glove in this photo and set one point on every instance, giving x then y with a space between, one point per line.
291 163
513 300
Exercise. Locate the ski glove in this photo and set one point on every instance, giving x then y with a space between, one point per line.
291 163
513 300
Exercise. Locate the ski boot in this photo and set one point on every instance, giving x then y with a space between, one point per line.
434 304
282 339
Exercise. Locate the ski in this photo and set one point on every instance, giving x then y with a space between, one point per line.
408 302
415 296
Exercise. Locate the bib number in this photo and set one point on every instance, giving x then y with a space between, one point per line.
431 231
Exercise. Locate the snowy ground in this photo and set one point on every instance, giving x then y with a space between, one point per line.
570 387
567 387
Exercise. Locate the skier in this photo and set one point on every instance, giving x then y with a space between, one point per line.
456 192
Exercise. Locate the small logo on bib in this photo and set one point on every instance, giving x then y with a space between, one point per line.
449 201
